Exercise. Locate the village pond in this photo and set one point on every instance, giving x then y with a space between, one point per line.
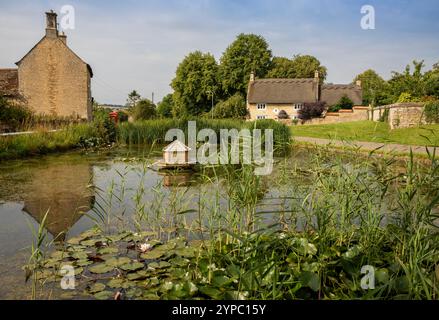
118 190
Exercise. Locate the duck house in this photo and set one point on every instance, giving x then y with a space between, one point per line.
176 153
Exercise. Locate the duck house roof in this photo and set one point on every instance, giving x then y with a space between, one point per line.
176 145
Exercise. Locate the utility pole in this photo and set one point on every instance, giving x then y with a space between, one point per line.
152 97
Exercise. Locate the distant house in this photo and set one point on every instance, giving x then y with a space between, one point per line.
267 97
51 77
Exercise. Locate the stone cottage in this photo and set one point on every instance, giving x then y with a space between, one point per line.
267 97
51 78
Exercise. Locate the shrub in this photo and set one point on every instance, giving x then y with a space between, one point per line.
407 97
343 103
13 115
144 110
311 110
234 107
431 112
282 115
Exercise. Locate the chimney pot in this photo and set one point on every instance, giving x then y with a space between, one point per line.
51 25
358 83
316 74
252 76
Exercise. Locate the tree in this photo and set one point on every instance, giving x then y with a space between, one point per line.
233 107
195 80
165 107
375 90
407 81
311 110
432 112
281 67
144 110
431 79
133 98
304 66
249 52
343 103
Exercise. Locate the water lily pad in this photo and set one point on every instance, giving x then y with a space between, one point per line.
97 287
107 250
211 292
179 261
60 255
186 252
132 266
153 254
159 265
117 262
119 283
139 275
100 268
81 255
83 262
103 295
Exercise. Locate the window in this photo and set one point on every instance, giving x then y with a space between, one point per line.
261 106
260 117
298 106
276 110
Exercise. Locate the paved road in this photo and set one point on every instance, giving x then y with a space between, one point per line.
368 146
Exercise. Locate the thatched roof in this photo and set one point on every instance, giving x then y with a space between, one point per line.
282 90
332 93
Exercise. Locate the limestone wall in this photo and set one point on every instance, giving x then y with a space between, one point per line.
401 115
55 81
358 113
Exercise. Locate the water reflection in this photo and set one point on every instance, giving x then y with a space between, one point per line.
177 179
66 202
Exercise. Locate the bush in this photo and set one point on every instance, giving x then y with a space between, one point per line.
282 115
407 97
165 107
144 110
431 112
234 107
343 103
105 127
311 110
14 116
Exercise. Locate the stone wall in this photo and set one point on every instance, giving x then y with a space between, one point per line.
401 115
270 111
358 113
55 81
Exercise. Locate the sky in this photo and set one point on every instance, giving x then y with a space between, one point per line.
139 44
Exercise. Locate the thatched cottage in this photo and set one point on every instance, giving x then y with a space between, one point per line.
267 97
51 78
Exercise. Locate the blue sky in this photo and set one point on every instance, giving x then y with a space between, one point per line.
138 44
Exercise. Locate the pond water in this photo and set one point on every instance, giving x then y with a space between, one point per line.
59 185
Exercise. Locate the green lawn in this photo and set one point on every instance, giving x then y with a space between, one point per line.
371 131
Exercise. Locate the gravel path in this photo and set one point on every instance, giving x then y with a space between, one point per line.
367 146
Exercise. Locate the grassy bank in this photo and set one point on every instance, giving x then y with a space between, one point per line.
43 142
426 135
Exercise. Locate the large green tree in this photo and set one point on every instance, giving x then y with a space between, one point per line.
300 66
249 52
165 107
375 91
144 110
234 107
408 81
195 82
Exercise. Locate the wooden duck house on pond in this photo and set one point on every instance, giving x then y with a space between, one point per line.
176 155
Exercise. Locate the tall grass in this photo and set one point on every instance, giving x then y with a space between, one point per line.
43 141
150 131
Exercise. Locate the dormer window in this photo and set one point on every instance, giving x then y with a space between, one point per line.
261 106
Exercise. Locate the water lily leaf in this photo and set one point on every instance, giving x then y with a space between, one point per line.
179 261
150 296
60 255
81 255
83 262
132 266
221 281
51 263
134 292
119 283
153 254
139 275
310 279
89 243
97 287
187 252
103 295
117 262
107 250
166 247
100 268
210 292
159 265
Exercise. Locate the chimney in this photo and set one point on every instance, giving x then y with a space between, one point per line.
51 25
317 82
252 76
63 37
358 83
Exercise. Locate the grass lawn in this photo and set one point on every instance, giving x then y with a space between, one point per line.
371 131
